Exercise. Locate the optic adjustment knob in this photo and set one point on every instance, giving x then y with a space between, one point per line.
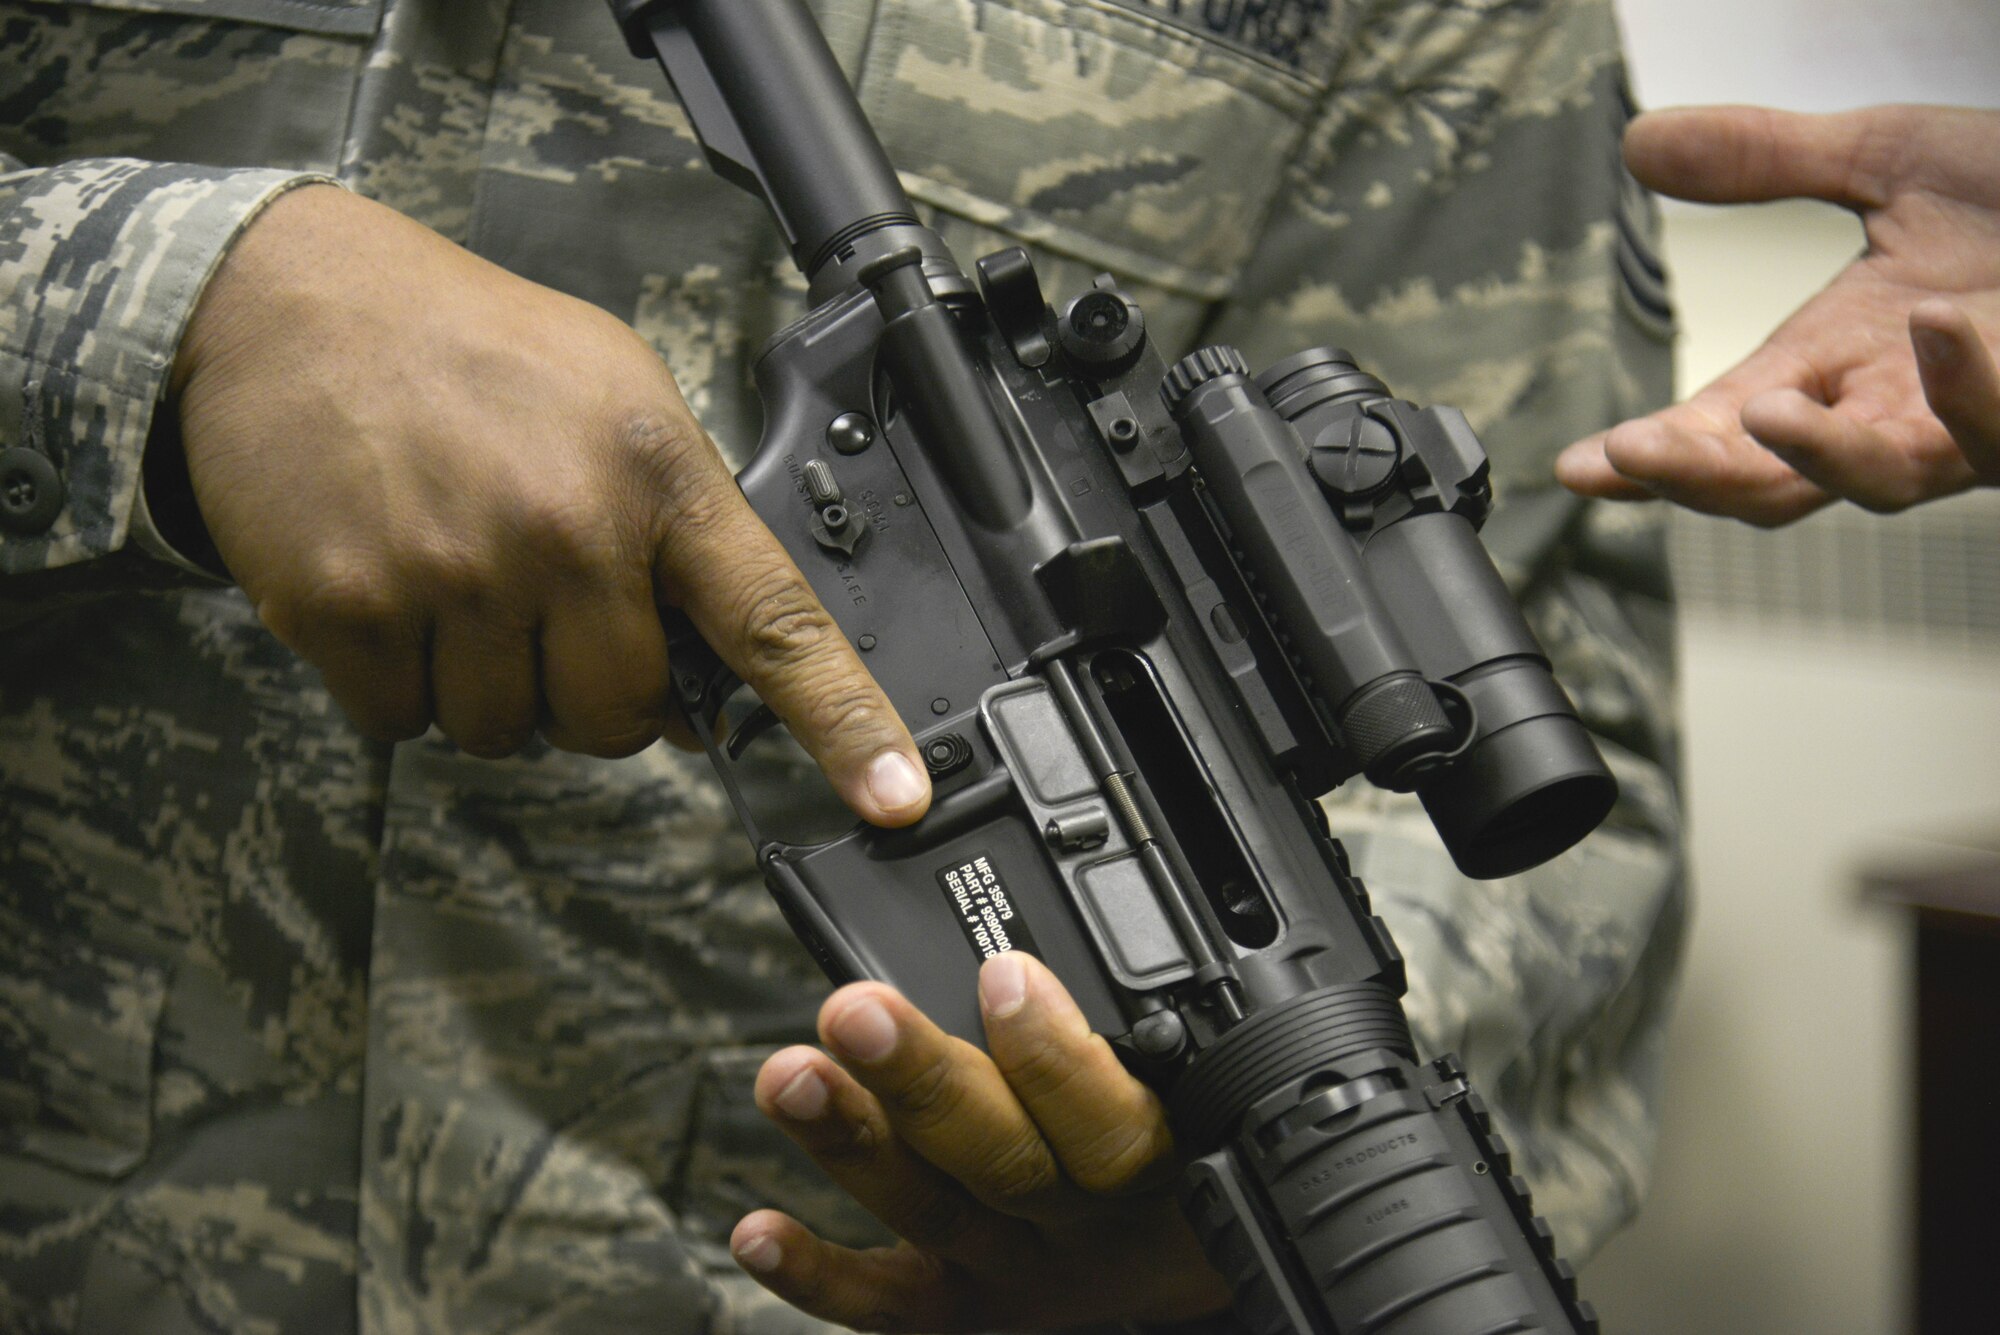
1197 369
1354 455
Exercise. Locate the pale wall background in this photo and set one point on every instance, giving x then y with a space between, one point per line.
1841 695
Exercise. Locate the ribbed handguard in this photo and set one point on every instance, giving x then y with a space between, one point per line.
1376 1199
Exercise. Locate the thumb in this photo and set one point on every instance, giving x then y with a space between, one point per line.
741 589
1741 155
1106 1129
1961 382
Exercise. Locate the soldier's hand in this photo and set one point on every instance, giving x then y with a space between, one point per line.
464 498
1882 388
1029 1188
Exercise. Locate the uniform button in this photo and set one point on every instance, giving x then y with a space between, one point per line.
31 494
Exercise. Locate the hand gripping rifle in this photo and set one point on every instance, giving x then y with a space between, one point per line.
1139 618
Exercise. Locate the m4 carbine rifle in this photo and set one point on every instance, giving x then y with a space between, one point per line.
1139 618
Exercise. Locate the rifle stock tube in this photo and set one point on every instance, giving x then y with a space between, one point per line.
776 114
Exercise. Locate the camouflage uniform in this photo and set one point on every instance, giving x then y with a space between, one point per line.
301 1032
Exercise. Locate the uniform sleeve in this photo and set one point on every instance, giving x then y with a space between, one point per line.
102 262
1460 219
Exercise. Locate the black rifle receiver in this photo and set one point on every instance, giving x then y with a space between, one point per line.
1138 619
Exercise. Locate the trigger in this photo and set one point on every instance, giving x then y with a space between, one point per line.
754 725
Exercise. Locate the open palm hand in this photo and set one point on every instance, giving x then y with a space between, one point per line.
1882 389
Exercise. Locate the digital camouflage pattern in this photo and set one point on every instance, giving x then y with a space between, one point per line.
83 347
301 1032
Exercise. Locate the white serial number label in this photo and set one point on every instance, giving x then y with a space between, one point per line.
986 912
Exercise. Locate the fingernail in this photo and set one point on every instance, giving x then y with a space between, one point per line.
864 1030
761 1254
1934 345
804 1099
894 782
1003 985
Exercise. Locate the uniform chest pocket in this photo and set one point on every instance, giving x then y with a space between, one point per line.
1093 130
227 83
79 1021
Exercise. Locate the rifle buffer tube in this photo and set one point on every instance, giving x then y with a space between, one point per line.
776 117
